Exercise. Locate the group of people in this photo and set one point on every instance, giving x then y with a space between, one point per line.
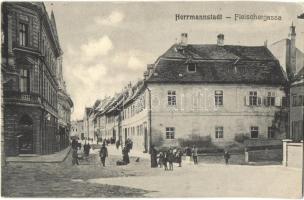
162 159
165 158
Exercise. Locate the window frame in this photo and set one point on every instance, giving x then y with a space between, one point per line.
219 132
24 87
219 98
170 133
191 65
254 129
270 99
23 34
253 98
171 97
270 132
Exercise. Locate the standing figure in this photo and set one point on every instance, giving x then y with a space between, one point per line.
125 155
188 154
194 154
74 157
179 155
170 159
153 157
74 144
103 153
117 144
226 157
161 159
165 161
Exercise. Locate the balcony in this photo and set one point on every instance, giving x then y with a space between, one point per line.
22 97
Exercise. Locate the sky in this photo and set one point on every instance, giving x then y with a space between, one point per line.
106 45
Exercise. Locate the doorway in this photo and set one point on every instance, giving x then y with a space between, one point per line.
25 136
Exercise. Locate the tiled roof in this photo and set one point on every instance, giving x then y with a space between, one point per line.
218 64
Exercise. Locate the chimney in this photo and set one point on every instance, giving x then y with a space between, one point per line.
291 67
184 39
220 39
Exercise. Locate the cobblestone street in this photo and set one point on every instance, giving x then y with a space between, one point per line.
209 179
62 180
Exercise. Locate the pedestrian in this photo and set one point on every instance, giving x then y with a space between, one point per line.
165 161
74 144
179 155
117 144
103 153
194 154
86 149
74 157
161 159
188 154
125 155
226 157
153 157
170 159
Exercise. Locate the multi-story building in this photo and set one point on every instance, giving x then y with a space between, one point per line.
297 106
65 105
211 91
30 52
292 60
77 129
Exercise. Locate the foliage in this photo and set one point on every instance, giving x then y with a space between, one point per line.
241 137
195 139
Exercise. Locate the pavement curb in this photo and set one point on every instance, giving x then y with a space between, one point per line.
55 161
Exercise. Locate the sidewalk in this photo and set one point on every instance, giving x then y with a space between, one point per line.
52 158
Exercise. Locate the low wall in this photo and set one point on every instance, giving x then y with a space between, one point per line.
292 154
264 155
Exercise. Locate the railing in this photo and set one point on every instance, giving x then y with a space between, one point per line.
21 96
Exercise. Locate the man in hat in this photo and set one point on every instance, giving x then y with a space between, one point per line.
103 153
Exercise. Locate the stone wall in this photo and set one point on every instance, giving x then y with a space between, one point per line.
264 155
292 154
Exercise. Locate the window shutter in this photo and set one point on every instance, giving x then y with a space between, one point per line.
246 100
259 101
278 101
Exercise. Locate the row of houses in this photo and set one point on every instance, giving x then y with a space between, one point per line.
36 107
212 92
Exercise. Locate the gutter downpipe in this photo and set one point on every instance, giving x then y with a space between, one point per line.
150 120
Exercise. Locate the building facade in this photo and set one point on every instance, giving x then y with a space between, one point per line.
77 129
292 60
65 105
217 92
30 52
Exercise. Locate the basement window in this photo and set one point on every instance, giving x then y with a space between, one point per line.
191 67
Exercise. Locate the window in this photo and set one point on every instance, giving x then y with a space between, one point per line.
171 98
191 67
270 132
23 34
270 99
254 131
297 100
24 81
218 97
219 132
253 98
170 132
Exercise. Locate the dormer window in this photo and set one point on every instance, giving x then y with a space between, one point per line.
191 67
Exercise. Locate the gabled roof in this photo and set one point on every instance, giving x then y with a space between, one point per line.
218 64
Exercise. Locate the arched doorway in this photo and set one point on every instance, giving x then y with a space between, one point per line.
25 136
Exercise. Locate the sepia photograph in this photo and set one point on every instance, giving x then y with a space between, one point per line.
141 99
